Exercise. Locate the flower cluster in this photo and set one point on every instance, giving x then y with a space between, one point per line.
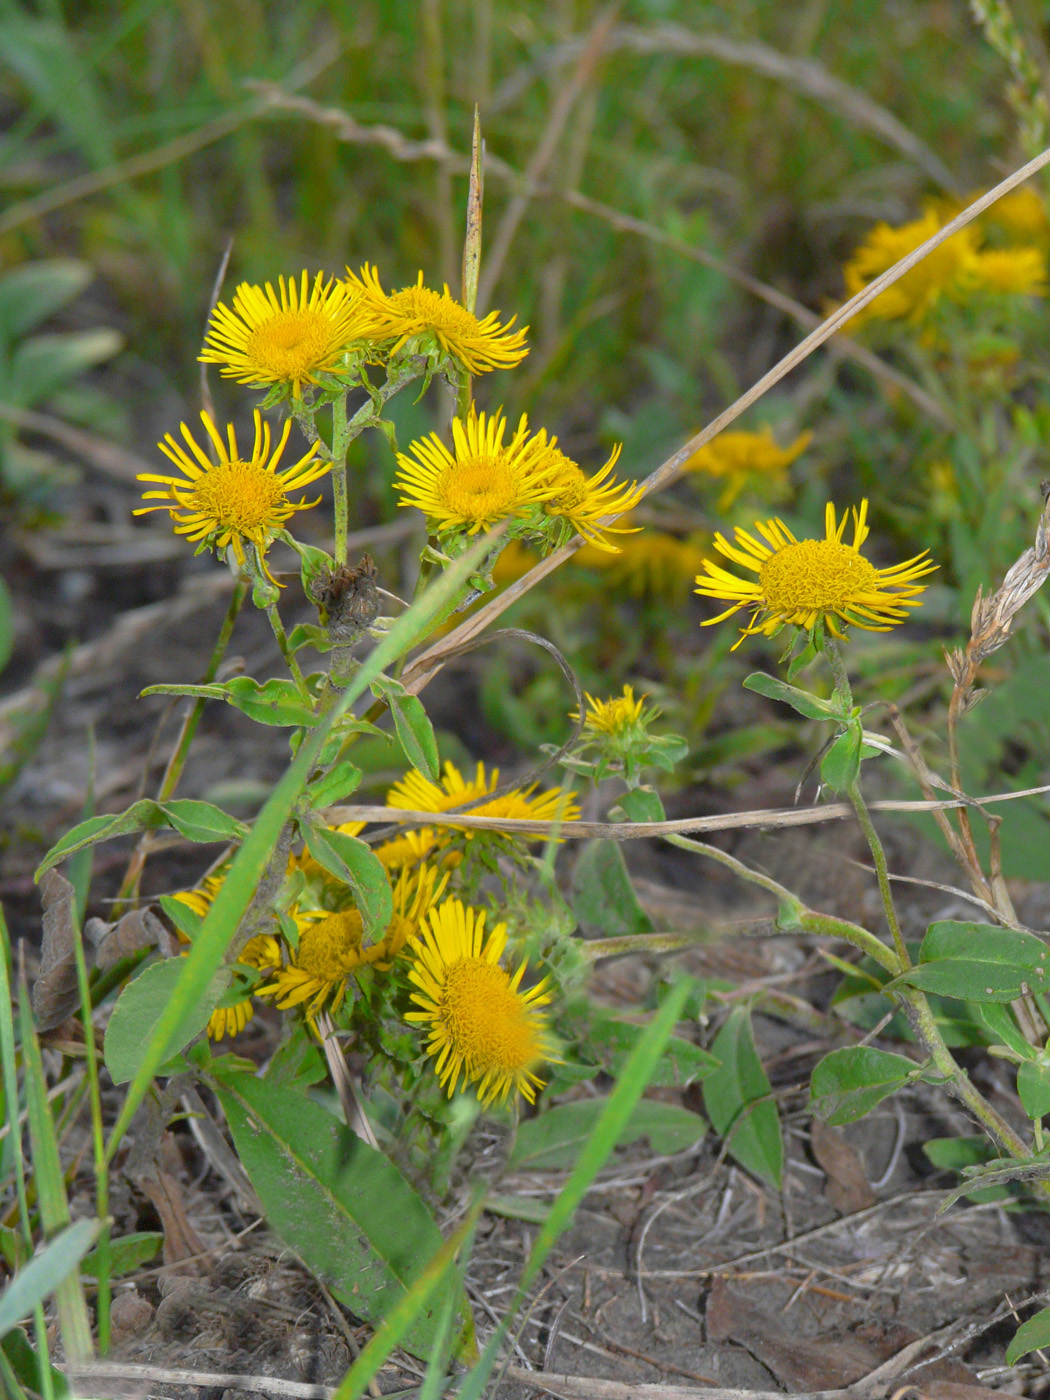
433 940
958 270
526 480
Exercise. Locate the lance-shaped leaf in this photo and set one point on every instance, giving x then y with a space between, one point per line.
339 1203
848 1083
357 865
196 821
413 726
979 962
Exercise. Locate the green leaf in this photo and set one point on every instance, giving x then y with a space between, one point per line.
197 821
1033 1088
126 1254
611 1041
308 634
841 764
186 920
848 1083
799 700
43 364
138 1009
26 1366
275 702
555 1139
738 1102
603 898
201 821
31 293
999 1020
339 1203
979 962
413 726
642 804
1032 1335
336 786
357 865
46 1271
49 1180
956 1153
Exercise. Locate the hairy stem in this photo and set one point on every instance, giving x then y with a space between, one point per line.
177 762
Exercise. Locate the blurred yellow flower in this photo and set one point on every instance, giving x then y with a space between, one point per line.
737 458
955 270
478 345
260 952
803 582
482 1028
913 296
287 336
483 481
654 564
1014 271
233 501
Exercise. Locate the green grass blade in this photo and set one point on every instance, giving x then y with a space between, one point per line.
50 1184
404 1313
636 1075
45 1273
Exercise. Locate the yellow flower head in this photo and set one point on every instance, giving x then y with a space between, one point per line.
331 945
416 310
408 849
615 717
737 458
653 565
261 952
482 1028
803 582
416 793
1011 271
317 970
1022 216
483 481
940 274
287 336
584 501
232 501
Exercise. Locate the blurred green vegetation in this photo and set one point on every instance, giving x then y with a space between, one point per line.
772 154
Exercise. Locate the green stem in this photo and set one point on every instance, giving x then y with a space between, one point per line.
958 1082
856 797
340 445
792 914
878 855
177 762
286 652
